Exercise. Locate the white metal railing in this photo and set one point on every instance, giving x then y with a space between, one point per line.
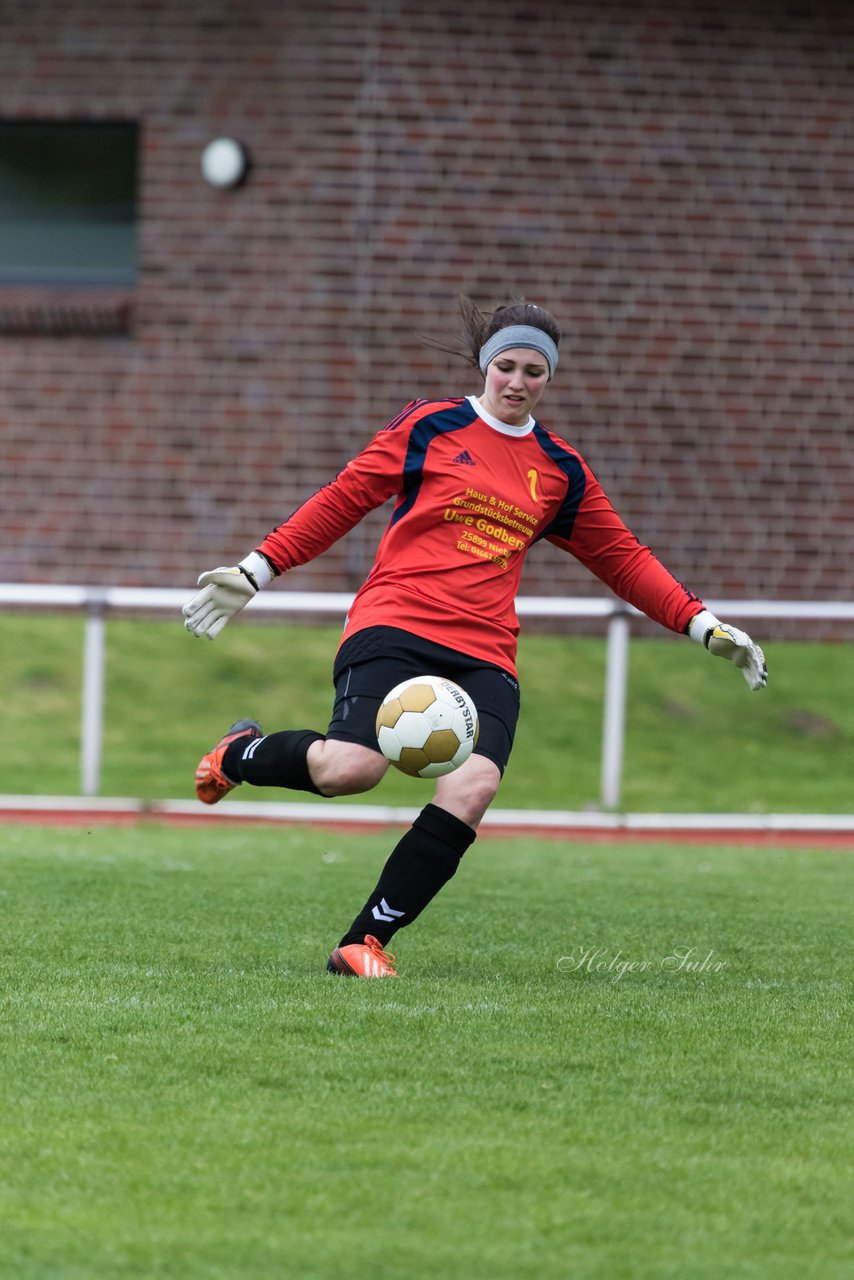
97 602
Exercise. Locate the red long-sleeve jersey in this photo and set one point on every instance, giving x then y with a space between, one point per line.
473 496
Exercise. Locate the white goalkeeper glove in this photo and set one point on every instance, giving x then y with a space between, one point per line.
224 593
725 641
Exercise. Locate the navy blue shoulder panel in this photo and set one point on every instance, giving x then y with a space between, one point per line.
563 523
448 418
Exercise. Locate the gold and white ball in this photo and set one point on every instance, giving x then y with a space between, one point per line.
427 726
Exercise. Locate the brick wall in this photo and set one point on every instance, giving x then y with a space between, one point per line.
673 179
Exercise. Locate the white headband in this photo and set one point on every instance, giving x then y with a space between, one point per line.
519 335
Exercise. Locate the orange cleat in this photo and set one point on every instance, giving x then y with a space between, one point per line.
211 782
362 960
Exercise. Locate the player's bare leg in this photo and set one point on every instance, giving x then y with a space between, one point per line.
468 792
344 768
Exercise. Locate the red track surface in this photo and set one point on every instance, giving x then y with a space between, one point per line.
710 834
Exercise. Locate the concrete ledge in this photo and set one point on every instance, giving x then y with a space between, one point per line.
804 828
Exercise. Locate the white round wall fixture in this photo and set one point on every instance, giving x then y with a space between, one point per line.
224 163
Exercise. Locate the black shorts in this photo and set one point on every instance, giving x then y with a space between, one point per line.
374 660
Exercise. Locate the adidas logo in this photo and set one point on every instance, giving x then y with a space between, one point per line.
465 458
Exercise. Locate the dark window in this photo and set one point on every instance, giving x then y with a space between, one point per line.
68 193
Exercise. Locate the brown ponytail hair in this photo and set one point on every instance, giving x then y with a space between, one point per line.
476 327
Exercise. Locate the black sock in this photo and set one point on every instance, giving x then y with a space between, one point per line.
278 760
417 868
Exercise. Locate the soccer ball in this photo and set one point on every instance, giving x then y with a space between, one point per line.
427 726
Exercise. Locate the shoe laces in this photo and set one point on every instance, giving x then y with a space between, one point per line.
376 949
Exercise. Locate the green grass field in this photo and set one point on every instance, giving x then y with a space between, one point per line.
697 739
545 1092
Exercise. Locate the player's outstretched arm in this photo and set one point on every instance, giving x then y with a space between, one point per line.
728 642
224 593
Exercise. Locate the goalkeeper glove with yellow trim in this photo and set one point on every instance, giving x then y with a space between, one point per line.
725 641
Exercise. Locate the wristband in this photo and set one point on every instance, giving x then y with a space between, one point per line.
257 568
702 625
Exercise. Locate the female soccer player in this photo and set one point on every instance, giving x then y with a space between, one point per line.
478 480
